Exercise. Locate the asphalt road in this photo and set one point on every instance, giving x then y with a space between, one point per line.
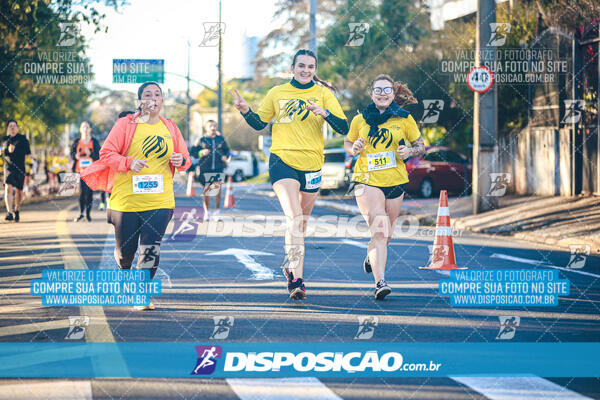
250 291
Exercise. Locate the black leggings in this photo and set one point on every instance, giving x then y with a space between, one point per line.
86 196
147 227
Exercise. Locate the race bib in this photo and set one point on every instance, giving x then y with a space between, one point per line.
383 160
313 180
144 184
85 162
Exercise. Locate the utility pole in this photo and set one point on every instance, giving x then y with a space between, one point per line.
187 111
220 68
485 115
312 43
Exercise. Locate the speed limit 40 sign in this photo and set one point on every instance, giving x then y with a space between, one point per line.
480 79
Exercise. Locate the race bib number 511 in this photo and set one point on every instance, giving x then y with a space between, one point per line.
383 160
144 184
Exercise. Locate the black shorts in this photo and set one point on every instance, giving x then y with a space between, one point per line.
210 177
14 178
390 192
310 181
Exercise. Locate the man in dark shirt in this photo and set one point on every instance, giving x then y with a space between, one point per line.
14 148
213 153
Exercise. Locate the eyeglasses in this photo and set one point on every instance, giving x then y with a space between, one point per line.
386 90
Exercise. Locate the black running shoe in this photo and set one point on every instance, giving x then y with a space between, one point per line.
17 218
80 218
381 290
297 289
367 265
9 217
88 217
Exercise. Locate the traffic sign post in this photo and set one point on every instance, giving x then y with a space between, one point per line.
480 79
138 71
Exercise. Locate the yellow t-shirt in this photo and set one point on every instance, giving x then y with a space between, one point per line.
154 144
389 135
297 133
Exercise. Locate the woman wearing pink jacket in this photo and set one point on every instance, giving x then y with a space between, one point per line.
137 163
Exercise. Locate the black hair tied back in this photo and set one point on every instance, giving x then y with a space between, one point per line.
146 84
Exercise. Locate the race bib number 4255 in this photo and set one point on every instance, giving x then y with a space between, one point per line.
144 184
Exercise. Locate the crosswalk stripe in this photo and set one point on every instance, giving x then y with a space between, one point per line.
281 388
519 388
65 390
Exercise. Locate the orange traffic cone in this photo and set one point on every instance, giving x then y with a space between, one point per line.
190 190
442 254
229 199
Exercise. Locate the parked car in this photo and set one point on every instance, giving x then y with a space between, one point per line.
333 173
439 168
242 165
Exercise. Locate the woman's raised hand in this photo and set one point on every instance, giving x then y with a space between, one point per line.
315 109
239 102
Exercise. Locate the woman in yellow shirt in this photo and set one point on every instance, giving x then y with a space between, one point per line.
137 163
298 110
379 134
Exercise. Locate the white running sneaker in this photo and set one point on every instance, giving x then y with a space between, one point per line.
216 215
206 216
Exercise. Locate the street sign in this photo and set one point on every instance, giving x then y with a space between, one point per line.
480 79
138 71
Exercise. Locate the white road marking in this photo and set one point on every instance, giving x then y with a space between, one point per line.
281 389
541 264
355 243
260 272
67 390
518 388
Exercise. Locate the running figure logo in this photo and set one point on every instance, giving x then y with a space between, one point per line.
499 34
213 181
185 227
148 255
70 183
207 359
573 111
432 110
289 109
212 31
358 32
579 253
437 254
222 327
382 135
77 326
508 327
68 34
499 183
366 327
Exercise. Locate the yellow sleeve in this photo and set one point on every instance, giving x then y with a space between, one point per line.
266 110
411 129
332 104
353 133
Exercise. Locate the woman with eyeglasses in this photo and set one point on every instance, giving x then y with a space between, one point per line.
299 109
379 135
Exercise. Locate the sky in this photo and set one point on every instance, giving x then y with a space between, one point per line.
159 29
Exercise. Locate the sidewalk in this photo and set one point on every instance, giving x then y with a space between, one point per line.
558 221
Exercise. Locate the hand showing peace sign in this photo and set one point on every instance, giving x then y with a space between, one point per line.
315 109
239 101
